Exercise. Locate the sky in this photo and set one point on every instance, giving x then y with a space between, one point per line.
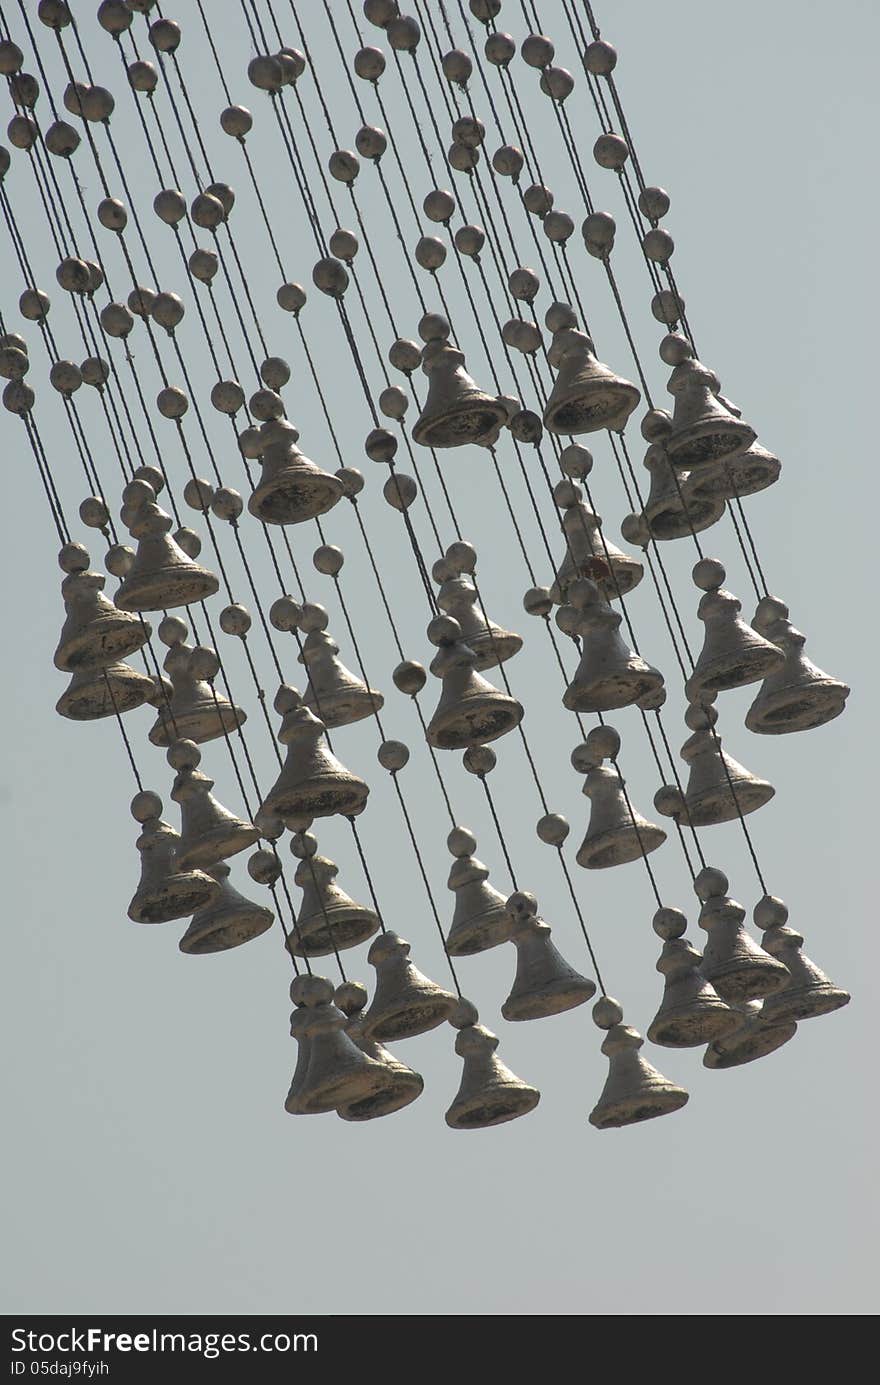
149 1164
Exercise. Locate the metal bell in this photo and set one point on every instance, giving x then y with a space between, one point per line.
480 919
312 782
754 1037
491 645
732 653
809 993
736 966
456 410
586 396
95 633
798 696
470 711
719 788
405 1002
703 430
292 488
105 692
328 919
227 921
489 1093
166 891
609 674
401 1084
545 984
616 833
336 1072
744 473
634 1090
589 554
161 576
334 693
676 508
196 711
208 832
691 1012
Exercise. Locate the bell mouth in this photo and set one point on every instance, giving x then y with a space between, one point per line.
752 981
641 1108
725 804
167 588
693 1030
494 648
476 724
292 500
761 1040
217 846
107 640
181 895
708 441
590 412
553 1000
468 423
344 708
676 521
479 935
607 694
341 1090
410 1018
93 700
227 934
402 1090
492 1108
341 930
750 666
797 709
620 846
803 1003
742 475
202 723
318 800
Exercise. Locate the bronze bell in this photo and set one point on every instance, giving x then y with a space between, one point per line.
333 693
95 633
456 410
634 1090
196 710
798 696
609 674
734 963
470 711
545 984
226 921
166 891
691 1012
744 473
491 645
489 1093
208 831
291 489
104 692
338 1072
328 920
732 653
586 396
616 833
590 553
401 1084
161 576
754 1037
809 993
719 788
312 782
676 508
480 919
405 1002
703 430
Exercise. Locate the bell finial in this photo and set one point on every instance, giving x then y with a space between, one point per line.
470 711
732 653
480 919
734 963
162 575
719 788
809 993
208 831
333 693
328 919
489 1093
291 488
610 674
798 696
634 1090
401 1086
617 833
703 430
337 1072
166 890
95 633
195 710
586 396
691 1012
405 1002
312 782
226 921
456 410
545 984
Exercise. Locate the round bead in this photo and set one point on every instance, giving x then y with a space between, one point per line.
566 493
165 35
537 601
203 663
167 310
11 57
344 166
479 760
457 67
264 867
268 825
553 829
658 245
522 904
65 377
708 574
669 801
34 305
400 491
236 121
74 557
183 754
700 717
287 699
667 306
443 630
293 65
380 12
119 560
203 265
371 142
172 402
73 275
557 83
469 131
674 349
331 277
291 297
61 139
409 677
558 226
112 214
559 317
485 11
403 34
598 230
669 923
607 1012
227 504
461 556
523 284
351 480
264 72
405 355
611 151
13 339
303 845
140 301
328 560
172 630
274 372
224 195
343 245
314 617
146 805
369 64
250 443
153 477
567 620
285 613
138 493
770 912
96 276
461 842
14 363
170 206
603 742
392 755
350 997
463 158
235 620
538 200
600 59
207 211
537 50
464 1014
655 425
430 253
635 529
94 513
116 320
189 541
469 240
74 94
582 758
198 494
508 161
576 461
142 76
653 203
710 883
526 427
265 405
434 327
439 205
394 402
97 104
499 49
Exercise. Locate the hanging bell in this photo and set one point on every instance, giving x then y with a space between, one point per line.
744 473
736 966
338 1072
401 1084
227 921
312 782
333 693
456 410
95 633
491 645
634 1090
586 396
208 831
291 488
162 575
754 1037
719 788
798 696
405 1002
703 430
732 653
691 1012
166 890
809 993
616 832
105 692
609 674
489 1093
328 920
480 919
545 984
590 553
470 711
302 993
676 508
195 711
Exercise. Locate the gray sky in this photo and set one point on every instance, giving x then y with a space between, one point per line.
150 1164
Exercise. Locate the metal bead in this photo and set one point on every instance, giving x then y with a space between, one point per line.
112 214
484 10
403 34
183 754
172 402
236 121
439 205
170 206
508 161
526 427
443 630
11 57
343 245
265 73
274 372
400 491
559 316
409 677
198 494
61 139
285 613
523 284
140 301
469 240
265 405
235 620
13 339
168 310
538 602
457 67
73 96
667 306
96 276
658 245
268 826
607 1012
303 845
670 803
227 504
351 480
537 50
568 620
165 35
636 530
146 805
600 59
434 327
369 64
94 513
264 867
708 574
203 265
598 230
710 883
65 377
119 560
14 363
114 16
291 297
653 203
557 83
22 132
293 65
153 477
172 630
393 402
74 557
207 211
250 443
499 49
582 759
344 166
116 320
371 142
553 829
55 14
611 151
331 277
462 158
97 104
392 755
189 541
314 617
224 194
603 743
380 445
479 760
461 842
674 349
73 275
380 12
142 76
328 560
576 461
203 663
405 355
138 493
95 371
469 131
558 226
18 397
430 253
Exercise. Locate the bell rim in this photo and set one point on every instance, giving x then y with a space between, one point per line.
621 394
458 937
359 705
660 1101
558 999
348 800
682 519
752 666
713 1015
253 923
717 805
630 842
118 638
828 697
760 474
195 724
464 1115
129 691
340 939
677 446
217 845
391 1025
806 1002
189 588
429 432
754 979
194 894
634 683
781 1033
325 491
403 1089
